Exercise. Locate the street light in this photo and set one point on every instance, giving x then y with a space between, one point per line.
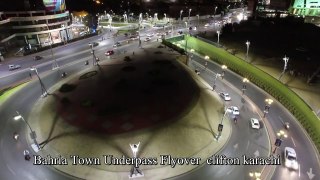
55 63
214 81
248 44
244 85
189 15
135 169
94 58
198 19
33 134
223 67
255 175
286 60
43 88
267 107
215 10
281 134
218 32
220 126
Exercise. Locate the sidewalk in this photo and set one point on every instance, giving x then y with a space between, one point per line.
186 133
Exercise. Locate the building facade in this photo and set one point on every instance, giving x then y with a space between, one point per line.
34 23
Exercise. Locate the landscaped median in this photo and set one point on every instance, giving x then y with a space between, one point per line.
278 90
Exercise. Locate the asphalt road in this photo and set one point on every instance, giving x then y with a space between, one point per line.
242 141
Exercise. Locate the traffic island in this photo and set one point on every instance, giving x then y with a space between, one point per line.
153 100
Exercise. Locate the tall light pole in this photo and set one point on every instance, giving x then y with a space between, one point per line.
220 126
189 15
198 20
215 10
267 107
223 67
218 32
248 45
181 15
44 91
286 60
135 169
281 134
33 134
214 81
244 85
94 58
55 63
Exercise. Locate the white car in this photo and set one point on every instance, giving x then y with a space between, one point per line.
225 96
233 110
290 158
13 67
255 123
150 35
147 39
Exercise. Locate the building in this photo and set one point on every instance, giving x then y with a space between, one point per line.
33 23
306 7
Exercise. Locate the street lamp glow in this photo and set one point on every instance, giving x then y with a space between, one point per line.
245 80
269 101
192 50
286 60
255 175
281 133
248 45
218 32
206 57
17 117
224 67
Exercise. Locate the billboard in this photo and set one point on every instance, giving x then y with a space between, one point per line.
54 5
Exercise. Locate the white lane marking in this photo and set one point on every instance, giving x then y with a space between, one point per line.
293 142
247 145
11 170
299 170
281 119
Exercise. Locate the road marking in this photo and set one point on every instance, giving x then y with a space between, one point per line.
299 170
293 142
256 154
11 170
247 145
310 174
281 119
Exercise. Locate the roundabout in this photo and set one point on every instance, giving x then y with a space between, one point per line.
95 114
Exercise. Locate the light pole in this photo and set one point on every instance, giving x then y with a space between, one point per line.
215 10
244 85
214 81
223 67
248 44
198 20
189 15
135 169
286 60
94 58
33 134
267 107
255 175
43 88
220 126
55 63
281 134
181 15
218 32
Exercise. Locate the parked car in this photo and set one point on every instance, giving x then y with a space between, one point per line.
108 53
225 96
147 39
233 110
13 67
36 58
255 123
93 44
290 158
117 44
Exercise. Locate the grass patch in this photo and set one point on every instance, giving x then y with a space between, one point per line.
7 92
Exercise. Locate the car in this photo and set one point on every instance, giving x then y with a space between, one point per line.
13 67
133 37
233 110
117 44
93 44
150 35
109 53
290 158
37 58
255 123
147 39
225 96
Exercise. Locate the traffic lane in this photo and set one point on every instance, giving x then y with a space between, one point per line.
276 111
235 148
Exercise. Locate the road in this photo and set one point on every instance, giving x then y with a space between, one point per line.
244 140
